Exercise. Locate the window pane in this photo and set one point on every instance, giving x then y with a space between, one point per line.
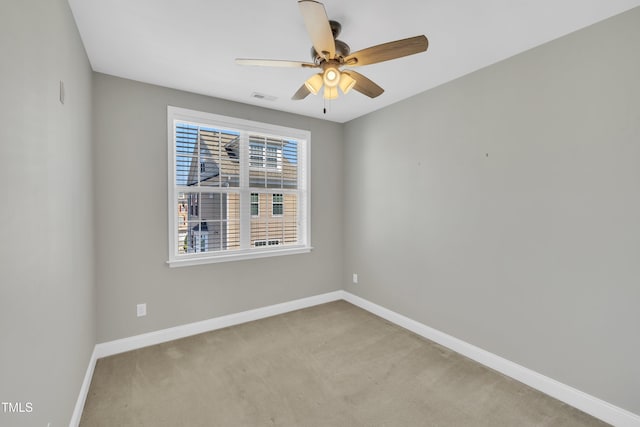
208 222
232 238
257 178
279 227
290 164
273 162
186 151
272 156
290 219
258 232
230 160
183 225
275 229
256 154
186 138
255 205
290 232
219 151
207 157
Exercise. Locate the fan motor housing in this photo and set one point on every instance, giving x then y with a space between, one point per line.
342 49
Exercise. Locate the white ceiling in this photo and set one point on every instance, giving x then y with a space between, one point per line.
191 44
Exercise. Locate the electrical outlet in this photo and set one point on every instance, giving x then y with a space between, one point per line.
355 277
141 310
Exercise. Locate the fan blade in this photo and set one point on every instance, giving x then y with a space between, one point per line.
317 23
274 63
387 51
301 93
364 85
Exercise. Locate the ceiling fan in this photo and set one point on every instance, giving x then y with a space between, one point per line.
330 54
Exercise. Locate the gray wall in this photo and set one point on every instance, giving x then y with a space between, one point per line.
502 208
47 321
130 134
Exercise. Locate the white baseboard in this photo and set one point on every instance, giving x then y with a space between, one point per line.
182 331
576 398
571 396
84 390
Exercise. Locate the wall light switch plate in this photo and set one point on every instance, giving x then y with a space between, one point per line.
355 277
141 310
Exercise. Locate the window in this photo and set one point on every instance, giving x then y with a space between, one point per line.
276 205
224 173
265 243
255 204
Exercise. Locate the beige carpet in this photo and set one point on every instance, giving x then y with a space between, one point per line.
329 365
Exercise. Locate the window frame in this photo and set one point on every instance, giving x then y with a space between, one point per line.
244 127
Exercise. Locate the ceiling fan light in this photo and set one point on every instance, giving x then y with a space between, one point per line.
331 77
314 83
330 92
346 83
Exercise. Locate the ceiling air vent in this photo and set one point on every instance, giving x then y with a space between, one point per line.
263 97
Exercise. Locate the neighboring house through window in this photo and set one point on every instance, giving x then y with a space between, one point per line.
224 173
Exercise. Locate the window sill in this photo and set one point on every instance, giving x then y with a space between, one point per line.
237 256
